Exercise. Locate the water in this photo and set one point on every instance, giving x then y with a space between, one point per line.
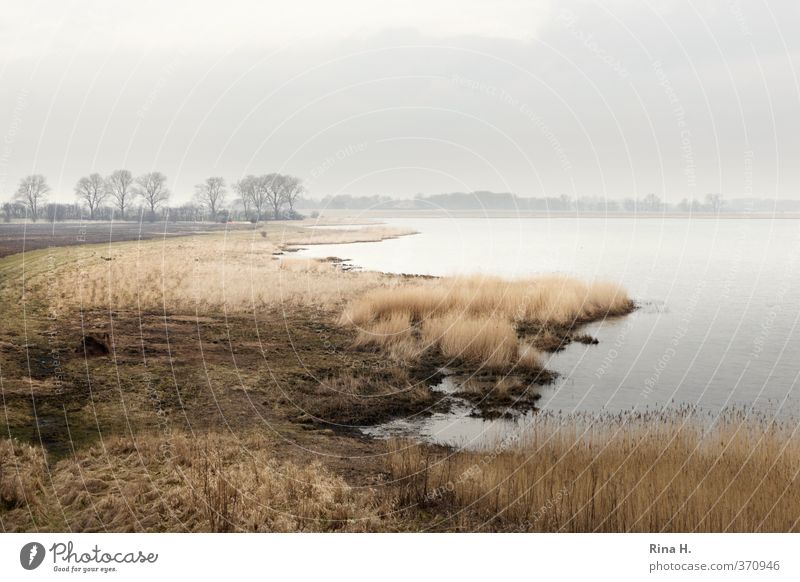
717 325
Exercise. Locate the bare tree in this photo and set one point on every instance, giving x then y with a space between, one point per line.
714 202
652 203
32 192
292 190
152 188
92 190
274 191
211 194
241 187
257 190
120 187
246 189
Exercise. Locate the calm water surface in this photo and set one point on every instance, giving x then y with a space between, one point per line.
717 325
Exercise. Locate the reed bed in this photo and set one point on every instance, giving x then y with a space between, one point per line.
649 472
475 320
553 300
652 472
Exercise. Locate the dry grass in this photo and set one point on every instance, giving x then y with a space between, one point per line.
544 300
395 329
303 265
182 483
351 399
476 320
21 474
494 397
237 273
482 342
472 321
648 473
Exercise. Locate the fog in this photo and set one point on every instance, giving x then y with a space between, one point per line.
587 99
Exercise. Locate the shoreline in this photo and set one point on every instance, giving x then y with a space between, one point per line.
340 214
97 277
197 369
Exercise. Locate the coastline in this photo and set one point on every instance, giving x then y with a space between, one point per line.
366 215
197 375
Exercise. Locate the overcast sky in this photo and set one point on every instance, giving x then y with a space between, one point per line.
611 99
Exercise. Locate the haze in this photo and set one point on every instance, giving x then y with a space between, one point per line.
613 99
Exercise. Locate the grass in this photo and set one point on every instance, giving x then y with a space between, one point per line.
188 318
476 323
651 472
627 473
352 399
236 272
480 321
483 342
178 482
494 397
472 320
19 485
222 329
546 300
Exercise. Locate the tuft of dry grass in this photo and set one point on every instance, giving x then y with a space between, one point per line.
182 482
477 320
493 397
22 473
386 332
482 342
642 473
351 399
303 265
553 300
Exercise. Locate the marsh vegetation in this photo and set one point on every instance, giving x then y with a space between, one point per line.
481 323
236 377
630 472
653 472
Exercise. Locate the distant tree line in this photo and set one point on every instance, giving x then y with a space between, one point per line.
270 196
484 200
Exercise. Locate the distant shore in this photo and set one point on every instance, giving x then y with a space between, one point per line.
339 214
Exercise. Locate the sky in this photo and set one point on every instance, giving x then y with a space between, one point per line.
609 99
